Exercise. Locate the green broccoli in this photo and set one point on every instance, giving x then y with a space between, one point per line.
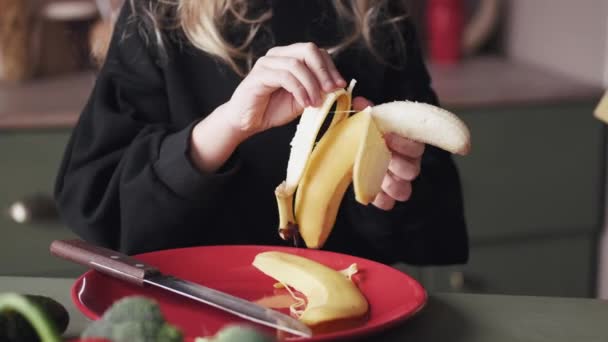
237 333
133 319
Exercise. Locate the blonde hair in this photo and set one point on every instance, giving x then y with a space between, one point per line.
205 22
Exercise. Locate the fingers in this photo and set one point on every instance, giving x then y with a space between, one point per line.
403 168
393 189
384 201
276 78
404 147
298 69
335 74
398 189
397 183
360 103
317 60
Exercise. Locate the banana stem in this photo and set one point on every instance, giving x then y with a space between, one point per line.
288 227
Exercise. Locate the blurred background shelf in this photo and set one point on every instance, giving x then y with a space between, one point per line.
53 102
495 81
480 82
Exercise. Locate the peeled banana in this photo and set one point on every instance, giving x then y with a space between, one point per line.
352 150
308 128
330 296
317 202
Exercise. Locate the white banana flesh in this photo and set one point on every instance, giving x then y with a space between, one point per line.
424 123
307 130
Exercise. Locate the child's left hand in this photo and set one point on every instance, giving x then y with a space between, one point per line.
403 168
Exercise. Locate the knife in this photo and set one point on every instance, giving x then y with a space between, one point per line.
139 273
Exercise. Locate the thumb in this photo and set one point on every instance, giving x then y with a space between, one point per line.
360 102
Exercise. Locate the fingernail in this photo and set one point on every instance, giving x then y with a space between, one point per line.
329 85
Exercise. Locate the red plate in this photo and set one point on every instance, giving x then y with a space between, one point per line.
393 295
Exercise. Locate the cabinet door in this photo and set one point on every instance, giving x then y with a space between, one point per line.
533 171
30 160
541 267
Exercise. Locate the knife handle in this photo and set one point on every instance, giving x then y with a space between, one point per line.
103 260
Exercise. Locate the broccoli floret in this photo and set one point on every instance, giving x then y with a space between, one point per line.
133 319
237 333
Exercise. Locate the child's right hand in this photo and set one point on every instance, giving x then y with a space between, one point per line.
280 85
278 88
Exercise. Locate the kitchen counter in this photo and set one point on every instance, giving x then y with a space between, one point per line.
45 103
494 82
447 317
482 81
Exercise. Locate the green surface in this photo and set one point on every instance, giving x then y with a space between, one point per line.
483 318
557 266
446 317
29 164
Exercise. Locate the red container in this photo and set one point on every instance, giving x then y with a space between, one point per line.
445 22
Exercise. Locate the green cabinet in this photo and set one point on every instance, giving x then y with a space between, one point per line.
533 188
552 266
533 170
30 160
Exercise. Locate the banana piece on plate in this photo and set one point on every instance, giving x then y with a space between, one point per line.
330 295
352 151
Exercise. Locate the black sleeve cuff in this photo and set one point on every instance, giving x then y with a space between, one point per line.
175 168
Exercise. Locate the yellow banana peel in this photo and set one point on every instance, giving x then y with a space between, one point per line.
352 151
330 295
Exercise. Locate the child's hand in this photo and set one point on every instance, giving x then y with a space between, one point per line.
280 85
275 92
403 168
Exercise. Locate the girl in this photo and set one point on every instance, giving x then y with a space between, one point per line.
186 133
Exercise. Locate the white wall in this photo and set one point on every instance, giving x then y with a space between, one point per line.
567 36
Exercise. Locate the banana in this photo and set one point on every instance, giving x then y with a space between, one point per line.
327 176
302 144
353 150
330 296
424 123
371 163
288 228
307 130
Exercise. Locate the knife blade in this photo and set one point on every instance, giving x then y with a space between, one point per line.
139 273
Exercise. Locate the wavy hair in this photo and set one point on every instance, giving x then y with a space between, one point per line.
227 29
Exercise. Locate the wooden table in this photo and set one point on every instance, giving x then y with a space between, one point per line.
447 317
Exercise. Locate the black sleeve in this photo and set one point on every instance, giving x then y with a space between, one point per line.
126 181
430 227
